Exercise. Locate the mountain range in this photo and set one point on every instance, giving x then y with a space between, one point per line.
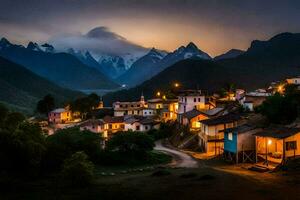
155 62
21 89
262 63
62 68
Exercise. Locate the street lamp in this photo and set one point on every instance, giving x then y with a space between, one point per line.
176 85
158 94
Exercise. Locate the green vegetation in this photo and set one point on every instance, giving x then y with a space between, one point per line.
166 130
282 109
78 170
66 142
25 150
45 105
22 145
85 105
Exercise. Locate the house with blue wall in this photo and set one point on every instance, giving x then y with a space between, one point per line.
239 143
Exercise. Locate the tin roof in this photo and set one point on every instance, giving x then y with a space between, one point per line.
278 132
223 119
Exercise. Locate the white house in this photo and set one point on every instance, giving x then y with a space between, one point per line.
129 108
295 80
94 125
189 100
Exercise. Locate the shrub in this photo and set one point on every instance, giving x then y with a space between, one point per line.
131 143
22 149
78 170
166 130
66 142
279 109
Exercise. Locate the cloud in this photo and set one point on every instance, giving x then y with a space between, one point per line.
99 40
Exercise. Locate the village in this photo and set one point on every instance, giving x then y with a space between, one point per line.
209 126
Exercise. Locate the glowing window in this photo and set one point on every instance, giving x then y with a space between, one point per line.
229 136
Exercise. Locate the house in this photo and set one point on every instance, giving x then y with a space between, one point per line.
278 144
94 125
189 100
60 116
192 118
113 124
166 108
254 99
239 143
140 123
129 108
211 134
155 103
149 124
295 80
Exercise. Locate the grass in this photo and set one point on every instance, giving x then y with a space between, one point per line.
209 181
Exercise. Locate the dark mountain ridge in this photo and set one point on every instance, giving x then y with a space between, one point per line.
21 88
61 68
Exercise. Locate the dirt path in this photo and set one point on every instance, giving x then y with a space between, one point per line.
180 159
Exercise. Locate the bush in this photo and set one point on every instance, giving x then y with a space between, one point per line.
22 144
279 109
166 130
66 142
131 143
78 170
22 149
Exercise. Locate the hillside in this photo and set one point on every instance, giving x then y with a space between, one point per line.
21 89
62 68
264 62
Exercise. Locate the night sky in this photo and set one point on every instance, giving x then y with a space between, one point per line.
214 25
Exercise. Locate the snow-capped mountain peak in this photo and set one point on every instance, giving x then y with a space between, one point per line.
33 46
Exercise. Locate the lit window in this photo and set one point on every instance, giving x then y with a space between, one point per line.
229 136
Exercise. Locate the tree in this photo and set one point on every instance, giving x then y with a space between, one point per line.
13 120
45 105
227 90
86 104
279 109
166 130
22 148
132 143
66 142
78 170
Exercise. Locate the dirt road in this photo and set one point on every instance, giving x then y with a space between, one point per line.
180 159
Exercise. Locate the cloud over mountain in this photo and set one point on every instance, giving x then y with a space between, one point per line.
99 40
